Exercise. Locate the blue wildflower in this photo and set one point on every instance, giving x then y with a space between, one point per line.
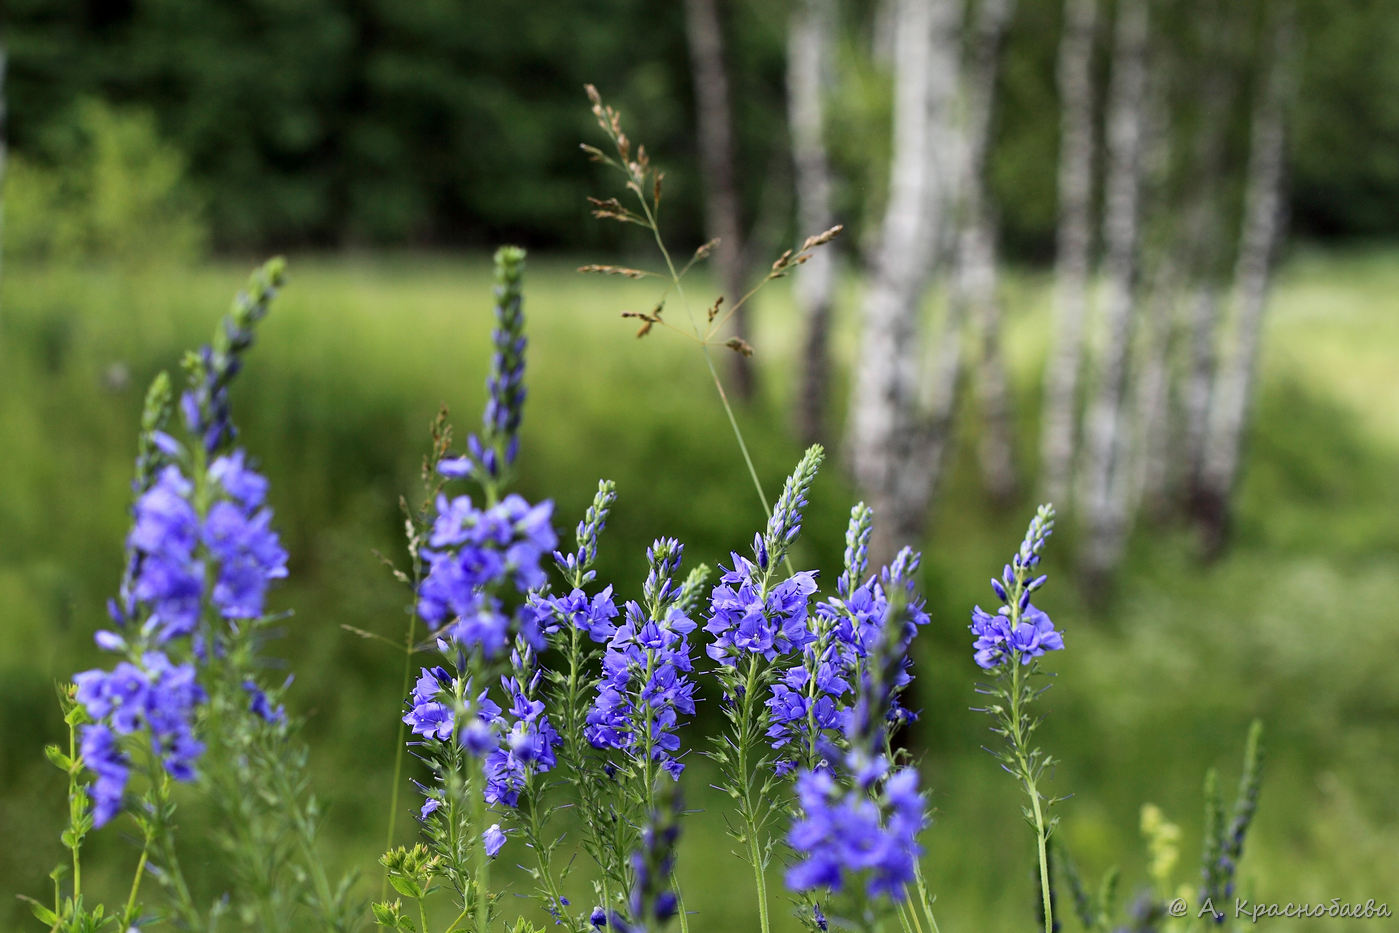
590 615
841 834
745 620
169 578
435 702
528 739
158 697
205 406
104 759
472 550
1018 629
645 688
494 838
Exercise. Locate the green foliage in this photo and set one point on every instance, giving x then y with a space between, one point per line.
354 364
113 191
443 122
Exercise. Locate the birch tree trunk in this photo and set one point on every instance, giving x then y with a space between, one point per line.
809 58
1103 494
4 149
1262 227
1073 245
1204 246
714 117
888 441
974 280
1151 424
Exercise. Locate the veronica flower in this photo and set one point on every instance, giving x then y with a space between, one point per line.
746 620
169 579
472 551
158 697
857 816
104 759
494 839
1018 630
860 831
645 688
590 615
808 705
205 406
528 739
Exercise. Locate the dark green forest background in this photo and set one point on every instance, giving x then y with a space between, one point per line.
438 123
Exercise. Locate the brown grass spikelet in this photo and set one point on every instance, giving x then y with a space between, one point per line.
615 270
714 308
740 346
612 209
647 319
821 239
706 249
789 259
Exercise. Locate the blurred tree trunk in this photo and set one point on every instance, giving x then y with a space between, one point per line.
4 137
714 113
1204 246
1074 241
1262 227
889 441
809 58
975 277
1151 425
1103 494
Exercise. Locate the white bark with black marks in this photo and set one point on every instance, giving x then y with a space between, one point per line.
975 280
1074 242
810 55
718 165
1263 222
1103 491
888 440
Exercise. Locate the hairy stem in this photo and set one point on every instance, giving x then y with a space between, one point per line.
750 815
1027 776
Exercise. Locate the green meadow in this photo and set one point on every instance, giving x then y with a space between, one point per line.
1296 624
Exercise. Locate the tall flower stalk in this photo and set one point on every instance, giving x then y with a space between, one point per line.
1009 644
758 618
644 185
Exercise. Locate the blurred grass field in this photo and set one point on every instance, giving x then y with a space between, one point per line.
1296 625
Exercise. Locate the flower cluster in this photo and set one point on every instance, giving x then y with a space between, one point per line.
645 688
511 741
205 406
472 551
871 827
745 620
858 814
1018 629
157 696
528 739
505 387
166 540
806 705
179 561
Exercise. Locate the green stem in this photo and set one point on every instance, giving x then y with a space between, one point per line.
534 834
476 789
1041 837
679 904
73 792
422 915
184 903
750 816
128 916
923 898
708 358
400 744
